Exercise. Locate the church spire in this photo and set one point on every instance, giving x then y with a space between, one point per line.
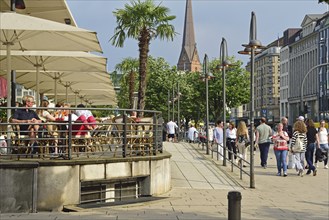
189 57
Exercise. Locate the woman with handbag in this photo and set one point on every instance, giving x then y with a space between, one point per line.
280 139
298 145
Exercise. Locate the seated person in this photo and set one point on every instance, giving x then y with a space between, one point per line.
66 111
86 117
27 119
43 114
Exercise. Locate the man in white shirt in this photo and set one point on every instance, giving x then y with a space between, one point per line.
191 133
171 126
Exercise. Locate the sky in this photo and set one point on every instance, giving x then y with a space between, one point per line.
213 20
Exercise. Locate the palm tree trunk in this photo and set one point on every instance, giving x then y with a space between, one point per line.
131 88
143 45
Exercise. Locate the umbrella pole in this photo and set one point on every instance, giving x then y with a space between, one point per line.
8 81
66 90
56 78
37 80
8 94
76 94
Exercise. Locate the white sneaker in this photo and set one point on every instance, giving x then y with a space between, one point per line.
326 167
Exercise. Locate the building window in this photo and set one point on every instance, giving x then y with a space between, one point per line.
270 101
19 92
270 91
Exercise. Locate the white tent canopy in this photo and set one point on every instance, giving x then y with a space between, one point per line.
97 90
51 60
54 10
54 61
30 33
22 32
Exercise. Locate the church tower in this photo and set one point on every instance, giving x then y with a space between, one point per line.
189 57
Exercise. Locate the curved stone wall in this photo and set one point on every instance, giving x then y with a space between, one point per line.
47 185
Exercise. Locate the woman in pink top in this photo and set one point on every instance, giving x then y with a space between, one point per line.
280 139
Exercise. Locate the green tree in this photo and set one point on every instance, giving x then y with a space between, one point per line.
162 78
128 67
237 87
142 21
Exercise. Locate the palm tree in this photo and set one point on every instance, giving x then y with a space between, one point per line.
129 65
142 21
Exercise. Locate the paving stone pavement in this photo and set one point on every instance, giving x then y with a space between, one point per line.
200 186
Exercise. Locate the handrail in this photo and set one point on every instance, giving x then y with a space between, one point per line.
122 137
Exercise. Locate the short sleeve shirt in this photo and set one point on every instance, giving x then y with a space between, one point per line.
23 114
265 132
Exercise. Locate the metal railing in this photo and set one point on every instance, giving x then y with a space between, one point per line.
116 135
239 163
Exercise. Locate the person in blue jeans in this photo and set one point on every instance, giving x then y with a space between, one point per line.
263 134
280 139
312 141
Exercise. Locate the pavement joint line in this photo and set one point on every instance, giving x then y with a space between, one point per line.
204 162
219 167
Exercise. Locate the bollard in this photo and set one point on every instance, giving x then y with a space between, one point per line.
234 205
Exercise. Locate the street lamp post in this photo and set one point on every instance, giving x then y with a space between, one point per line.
302 85
168 105
207 75
178 111
253 45
224 62
173 103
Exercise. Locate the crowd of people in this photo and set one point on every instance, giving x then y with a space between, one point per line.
31 123
300 146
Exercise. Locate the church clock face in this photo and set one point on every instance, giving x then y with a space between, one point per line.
184 57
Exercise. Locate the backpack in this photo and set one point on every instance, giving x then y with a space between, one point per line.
243 140
298 146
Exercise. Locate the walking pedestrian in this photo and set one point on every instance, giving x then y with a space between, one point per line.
218 137
298 145
280 139
191 134
286 127
231 138
323 140
263 134
171 126
312 142
242 139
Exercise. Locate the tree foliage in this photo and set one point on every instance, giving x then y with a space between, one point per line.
163 78
143 21
129 67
